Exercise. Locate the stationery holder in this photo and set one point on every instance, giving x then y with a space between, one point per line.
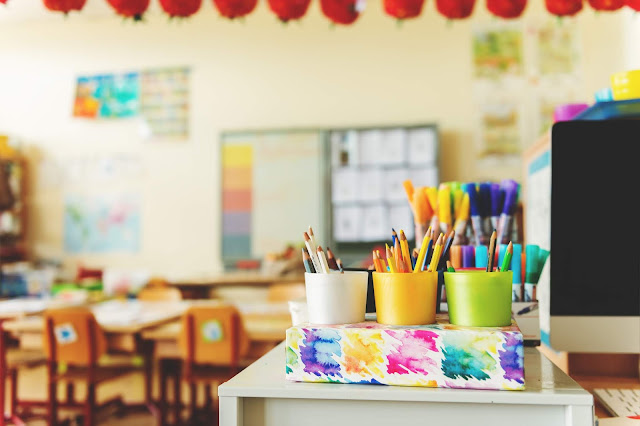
336 298
405 298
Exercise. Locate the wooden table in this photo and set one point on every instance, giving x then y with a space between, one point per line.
199 288
261 396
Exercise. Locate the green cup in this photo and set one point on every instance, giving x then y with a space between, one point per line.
478 298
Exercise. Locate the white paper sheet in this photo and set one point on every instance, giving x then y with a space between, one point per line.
371 185
422 146
375 219
345 185
393 149
346 223
370 147
393 184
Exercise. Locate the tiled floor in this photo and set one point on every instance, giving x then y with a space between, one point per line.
131 387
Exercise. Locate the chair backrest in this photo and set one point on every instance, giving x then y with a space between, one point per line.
213 335
73 336
160 294
283 292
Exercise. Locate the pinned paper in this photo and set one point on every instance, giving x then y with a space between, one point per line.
212 331
65 334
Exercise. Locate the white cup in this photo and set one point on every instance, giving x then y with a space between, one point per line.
336 298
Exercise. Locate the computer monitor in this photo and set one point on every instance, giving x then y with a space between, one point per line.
595 236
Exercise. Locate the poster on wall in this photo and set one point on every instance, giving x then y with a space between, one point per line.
497 52
107 96
102 224
165 103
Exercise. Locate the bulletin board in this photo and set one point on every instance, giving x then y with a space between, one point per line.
273 189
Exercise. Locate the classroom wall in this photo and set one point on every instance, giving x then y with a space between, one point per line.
252 74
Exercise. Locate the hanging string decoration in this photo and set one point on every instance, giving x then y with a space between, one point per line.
289 10
233 9
455 9
563 7
507 9
133 9
343 12
403 9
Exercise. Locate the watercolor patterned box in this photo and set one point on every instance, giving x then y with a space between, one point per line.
436 355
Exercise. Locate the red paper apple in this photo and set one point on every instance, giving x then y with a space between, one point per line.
633 4
64 6
3 1
233 9
455 9
606 5
288 10
180 8
403 9
130 8
343 12
563 7
507 9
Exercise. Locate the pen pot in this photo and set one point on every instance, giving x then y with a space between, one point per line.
405 298
336 298
478 298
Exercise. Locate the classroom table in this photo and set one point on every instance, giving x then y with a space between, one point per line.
200 287
261 396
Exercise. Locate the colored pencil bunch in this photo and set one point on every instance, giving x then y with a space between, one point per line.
472 209
431 256
314 258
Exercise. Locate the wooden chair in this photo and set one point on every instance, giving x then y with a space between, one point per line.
160 294
212 342
11 361
74 338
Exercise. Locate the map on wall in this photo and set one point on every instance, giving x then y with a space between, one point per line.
107 96
101 224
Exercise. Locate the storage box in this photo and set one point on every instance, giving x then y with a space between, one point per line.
435 355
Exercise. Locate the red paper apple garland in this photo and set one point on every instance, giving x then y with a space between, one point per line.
130 8
233 9
289 10
507 9
606 5
64 6
455 9
3 1
563 7
403 9
180 8
633 4
344 12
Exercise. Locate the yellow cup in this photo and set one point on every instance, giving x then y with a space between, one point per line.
625 85
405 298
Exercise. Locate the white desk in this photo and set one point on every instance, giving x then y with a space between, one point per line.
261 396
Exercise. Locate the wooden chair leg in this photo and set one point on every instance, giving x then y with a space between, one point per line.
208 402
90 405
193 403
177 397
163 393
53 402
13 408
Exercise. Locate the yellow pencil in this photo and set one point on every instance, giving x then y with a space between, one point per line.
404 246
392 267
436 254
423 250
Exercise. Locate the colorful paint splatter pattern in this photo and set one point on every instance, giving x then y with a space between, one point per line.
437 355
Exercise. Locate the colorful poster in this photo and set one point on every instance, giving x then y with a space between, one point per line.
557 50
102 224
497 52
165 103
107 96
500 122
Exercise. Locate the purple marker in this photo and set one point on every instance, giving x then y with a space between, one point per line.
508 210
468 256
496 203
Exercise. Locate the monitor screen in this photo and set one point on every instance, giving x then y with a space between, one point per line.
595 218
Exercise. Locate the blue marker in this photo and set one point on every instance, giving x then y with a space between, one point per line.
516 267
482 256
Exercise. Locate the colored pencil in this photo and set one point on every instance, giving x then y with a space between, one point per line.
429 254
383 264
507 257
445 249
436 254
311 248
324 266
397 257
306 260
492 251
450 267
423 251
339 262
394 237
404 246
331 260
376 262
392 266
414 258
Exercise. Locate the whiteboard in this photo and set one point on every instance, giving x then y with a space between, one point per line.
282 175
